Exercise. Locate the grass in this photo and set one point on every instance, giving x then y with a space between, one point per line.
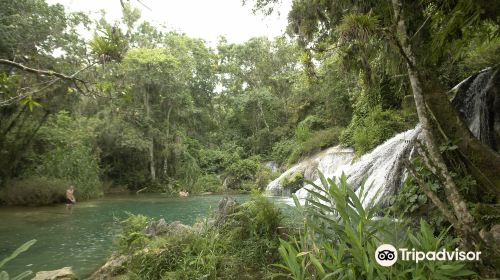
243 246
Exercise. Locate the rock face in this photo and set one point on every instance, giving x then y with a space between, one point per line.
477 99
65 273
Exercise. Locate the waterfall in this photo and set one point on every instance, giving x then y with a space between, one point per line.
272 165
477 101
327 162
382 170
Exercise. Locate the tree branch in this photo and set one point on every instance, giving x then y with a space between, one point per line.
58 77
41 72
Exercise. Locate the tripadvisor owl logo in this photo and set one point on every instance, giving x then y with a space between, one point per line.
387 255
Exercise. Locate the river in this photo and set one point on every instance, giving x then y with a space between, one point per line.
84 238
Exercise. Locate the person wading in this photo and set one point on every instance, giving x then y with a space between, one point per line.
70 198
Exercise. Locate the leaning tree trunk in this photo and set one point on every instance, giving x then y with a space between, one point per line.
464 221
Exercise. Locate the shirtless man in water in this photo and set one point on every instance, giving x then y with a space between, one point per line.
183 193
70 198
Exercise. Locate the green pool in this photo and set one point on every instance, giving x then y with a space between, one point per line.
84 239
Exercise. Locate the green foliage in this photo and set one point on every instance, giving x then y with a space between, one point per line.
341 236
240 248
216 161
302 132
111 45
486 215
482 54
293 182
282 150
80 167
264 176
208 183
72 154
23 248
34 191
132 235
53 28
365 133
258 217
410 198
244 169
30 103
356 26
317 141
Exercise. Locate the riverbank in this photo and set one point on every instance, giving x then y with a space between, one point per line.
84 239
238 241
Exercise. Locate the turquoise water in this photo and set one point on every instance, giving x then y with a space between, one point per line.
84 239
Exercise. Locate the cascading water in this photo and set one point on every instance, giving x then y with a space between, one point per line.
477 101
382 170
327 162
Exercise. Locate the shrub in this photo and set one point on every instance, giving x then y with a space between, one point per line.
35 191
302 133
76 165
71 154
208 183
216 161
244 169
264 176
341 236
293 182
365 133
240 248
132 235
257 217
282 150
317 141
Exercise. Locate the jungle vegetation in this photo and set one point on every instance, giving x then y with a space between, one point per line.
139 107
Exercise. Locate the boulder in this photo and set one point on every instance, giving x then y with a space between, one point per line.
115 265
226 207
65 273
155 228
177 226
231 183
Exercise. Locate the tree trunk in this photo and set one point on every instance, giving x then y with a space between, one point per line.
482 157
149 134
463 216
165 161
